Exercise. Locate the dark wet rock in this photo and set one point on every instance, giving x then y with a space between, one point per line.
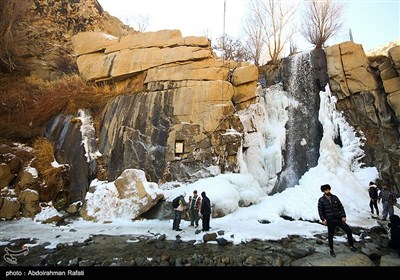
209 237
161 237
103 250
222 241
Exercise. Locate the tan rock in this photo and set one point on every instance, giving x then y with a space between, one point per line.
132 196
360 79
207 69
89 42
394 102
29 200
394 54
348 69
245 92
74 207
95 66
387 64
159 39
203 102
197 41
5 175
9 208
245 74
392 85
138 60
336 72
353 56
27 180
388 74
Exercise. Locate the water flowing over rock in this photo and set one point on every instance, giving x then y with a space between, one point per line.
303 129
69 148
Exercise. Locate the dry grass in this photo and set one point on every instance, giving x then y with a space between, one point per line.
56 179
27 104
11 12
43 150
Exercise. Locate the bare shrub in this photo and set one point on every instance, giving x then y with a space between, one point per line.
27 104
11 11
43 150
322 20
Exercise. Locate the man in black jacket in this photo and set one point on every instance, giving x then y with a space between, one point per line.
205 211
332 214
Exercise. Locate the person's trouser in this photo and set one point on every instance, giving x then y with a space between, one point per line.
332 224
206 222
373 203
177 219
194 217
387 209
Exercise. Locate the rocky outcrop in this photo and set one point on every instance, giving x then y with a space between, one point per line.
9 208
128 197
180 118
68 142
368 90
29 200
44 33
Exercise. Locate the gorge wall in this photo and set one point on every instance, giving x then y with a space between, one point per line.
179 120
368 92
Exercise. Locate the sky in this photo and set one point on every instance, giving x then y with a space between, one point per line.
373 23
337 166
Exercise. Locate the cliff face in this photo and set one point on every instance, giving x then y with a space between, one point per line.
44 34
368 91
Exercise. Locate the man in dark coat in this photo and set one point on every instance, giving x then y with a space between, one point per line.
394 225
373 195
332 214
205 211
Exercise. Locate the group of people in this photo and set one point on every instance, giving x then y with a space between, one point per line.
386 196
333 215
330 210
197 206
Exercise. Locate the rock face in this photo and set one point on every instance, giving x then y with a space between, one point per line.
180 118
368 91
67 139
44 34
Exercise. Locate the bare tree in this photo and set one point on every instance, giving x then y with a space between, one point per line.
11 11
322 21
274 18
255 39
140 22
232 49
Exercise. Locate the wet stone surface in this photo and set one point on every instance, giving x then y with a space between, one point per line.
130 250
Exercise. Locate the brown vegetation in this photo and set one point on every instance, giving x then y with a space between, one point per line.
11 12
56 179
26 104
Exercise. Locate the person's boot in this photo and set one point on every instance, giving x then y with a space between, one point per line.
332 253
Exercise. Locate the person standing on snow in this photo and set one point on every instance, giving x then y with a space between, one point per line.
194 208
332 214
373 195
178 209
388 199
205 211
